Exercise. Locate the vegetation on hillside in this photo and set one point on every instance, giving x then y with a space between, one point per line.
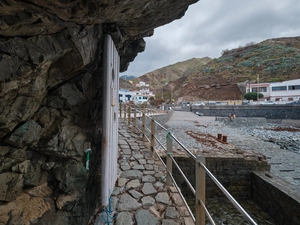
273 60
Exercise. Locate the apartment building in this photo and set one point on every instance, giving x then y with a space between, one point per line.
278 91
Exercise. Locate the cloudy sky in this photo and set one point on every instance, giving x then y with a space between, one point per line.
210 26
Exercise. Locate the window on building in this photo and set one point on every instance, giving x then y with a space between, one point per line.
294 87
262 89
279 88
128 97
290 99
277 99
144 97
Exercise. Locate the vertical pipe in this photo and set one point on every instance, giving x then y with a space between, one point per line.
120 108
200 190
124 112
128 112
144 126
152 135
169 160
134 120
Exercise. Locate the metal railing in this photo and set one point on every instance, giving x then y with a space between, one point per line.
140 124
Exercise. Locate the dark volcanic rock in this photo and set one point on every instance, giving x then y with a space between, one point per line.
51 103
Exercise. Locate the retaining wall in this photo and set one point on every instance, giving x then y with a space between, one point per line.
234 173
266 111
278 198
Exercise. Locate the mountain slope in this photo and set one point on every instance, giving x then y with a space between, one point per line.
272 60
160 77
224 78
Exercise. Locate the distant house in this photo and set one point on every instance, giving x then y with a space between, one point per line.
125 95
143 95
277 91
138 97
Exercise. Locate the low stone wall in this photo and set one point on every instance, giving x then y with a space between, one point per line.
234 173
278 198
266 111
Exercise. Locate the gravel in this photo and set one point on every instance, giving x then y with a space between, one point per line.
281 145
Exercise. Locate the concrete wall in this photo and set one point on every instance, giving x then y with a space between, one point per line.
267 111
233 173
278 198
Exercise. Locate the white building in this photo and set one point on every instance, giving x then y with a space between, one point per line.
125 95
143 94
138 97
277 91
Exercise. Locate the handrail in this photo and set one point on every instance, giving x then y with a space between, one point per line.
228 195
202 165
185 148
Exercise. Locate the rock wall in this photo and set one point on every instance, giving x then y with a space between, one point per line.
277 197
233 172
266 111
51 100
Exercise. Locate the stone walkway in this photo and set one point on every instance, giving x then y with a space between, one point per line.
141 196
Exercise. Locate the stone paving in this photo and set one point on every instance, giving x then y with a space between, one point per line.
141 196
284 164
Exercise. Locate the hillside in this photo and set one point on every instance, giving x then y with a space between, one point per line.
272 60
125 84
160 77
225 77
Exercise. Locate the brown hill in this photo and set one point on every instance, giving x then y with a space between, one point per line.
225 77
125 84
269 61
160 77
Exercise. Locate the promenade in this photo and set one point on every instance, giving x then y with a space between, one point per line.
141 196
284 164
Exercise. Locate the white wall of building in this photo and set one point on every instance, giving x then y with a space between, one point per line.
125 95
286 90
278 91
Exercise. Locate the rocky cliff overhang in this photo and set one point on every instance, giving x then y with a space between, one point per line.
51 94
128 21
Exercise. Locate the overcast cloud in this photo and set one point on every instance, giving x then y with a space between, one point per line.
211 26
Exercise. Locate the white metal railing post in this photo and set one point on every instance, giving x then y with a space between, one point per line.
200 190
124 111
169 160
128 112
134 119
144 126
152 139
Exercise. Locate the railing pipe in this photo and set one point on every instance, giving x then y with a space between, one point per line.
188 151
134 119
152 135
207 213
144 127
200 190
228 195
124 111
184 201
201 171
183 175
161 126
128 112
169 160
